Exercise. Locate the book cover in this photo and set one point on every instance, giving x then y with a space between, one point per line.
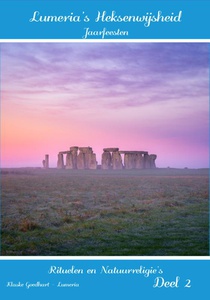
104 149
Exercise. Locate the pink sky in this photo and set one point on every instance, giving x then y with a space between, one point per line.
136 96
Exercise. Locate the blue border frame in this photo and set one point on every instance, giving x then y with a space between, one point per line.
177 19
14 24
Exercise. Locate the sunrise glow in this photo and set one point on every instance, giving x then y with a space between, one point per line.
136 96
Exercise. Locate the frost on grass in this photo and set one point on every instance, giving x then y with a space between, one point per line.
144 212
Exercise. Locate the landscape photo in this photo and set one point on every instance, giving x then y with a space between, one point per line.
104 149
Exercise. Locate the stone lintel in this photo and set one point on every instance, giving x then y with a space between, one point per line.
133 152
111 149
85 149
64 152
153 155
74 148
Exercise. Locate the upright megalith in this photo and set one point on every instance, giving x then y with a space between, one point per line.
147 161
111 159
69 161
91 159
117 161
71 158
106 161
92 162
86 158
60 162
139 161
85 152
152 161
128 160
45 162
81 161
74 152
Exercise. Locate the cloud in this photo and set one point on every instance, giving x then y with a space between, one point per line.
119 74
137 93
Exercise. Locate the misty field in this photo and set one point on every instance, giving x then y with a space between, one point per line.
97 212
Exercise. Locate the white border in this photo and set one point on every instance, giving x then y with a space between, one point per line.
104 257
105 40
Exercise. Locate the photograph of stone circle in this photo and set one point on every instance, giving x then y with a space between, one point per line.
104 149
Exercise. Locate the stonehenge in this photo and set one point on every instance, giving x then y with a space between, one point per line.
111 159
83 158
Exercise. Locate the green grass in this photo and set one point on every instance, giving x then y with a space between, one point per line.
67 212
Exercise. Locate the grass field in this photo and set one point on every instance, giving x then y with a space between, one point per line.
132 212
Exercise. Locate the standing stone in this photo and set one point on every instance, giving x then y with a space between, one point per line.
139 161
152 161
129 161
92 162
106 161
69 160
87 151
46 161
74 151
147 164
86 158
117 161
135 157
43 163
81 161
126 161
60 163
